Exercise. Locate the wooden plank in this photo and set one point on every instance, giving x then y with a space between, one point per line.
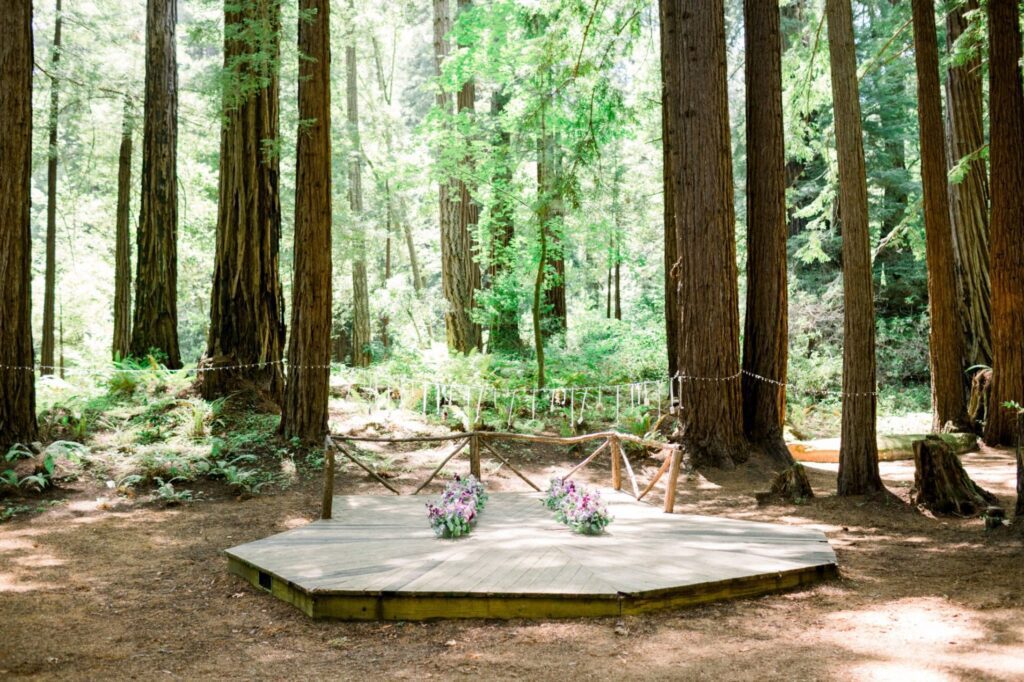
661 472
474 456
328 500
616 449
673 480
587 461
629 470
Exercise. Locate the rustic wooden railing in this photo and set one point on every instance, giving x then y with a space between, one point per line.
610 440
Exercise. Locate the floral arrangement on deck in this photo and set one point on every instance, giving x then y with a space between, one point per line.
579 508
456 513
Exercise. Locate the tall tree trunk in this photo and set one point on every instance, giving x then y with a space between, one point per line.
123 245
46 350
551 192
949 403
504 331
304 412
858 451
456 212
360 286
969 197
702 196
616 262
385 335
17 378
155 322
247 303
766 329
669 218
1006 151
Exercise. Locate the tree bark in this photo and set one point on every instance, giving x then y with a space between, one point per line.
766 329
858 452
155 321
504 329
942 485
247 303
304 412
551 192
17 378
969 198
669 219
460 275
123 246
1006 151
945 340
46 349
702 196
360 286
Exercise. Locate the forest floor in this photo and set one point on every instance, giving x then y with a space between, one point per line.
102 586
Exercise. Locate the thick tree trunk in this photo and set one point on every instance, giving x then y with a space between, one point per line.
969 198
551 191
858 453
1006 151
304 413
459 273
670 255
766 330
360 286
504 331
123 245
949 395
702 196
155 322
247 304
46 349
17 378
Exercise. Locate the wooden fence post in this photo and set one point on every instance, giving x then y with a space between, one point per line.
474 456
673 479
616 449
325 512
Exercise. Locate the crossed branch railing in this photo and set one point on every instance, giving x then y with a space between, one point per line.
477 440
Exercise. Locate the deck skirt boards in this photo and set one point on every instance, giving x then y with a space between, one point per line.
379 560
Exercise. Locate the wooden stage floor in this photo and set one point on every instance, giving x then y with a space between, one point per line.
378 559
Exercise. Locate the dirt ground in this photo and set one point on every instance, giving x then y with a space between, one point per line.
107 588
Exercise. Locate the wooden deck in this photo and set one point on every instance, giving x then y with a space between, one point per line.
378 559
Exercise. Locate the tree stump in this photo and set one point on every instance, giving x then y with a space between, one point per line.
789 486
977 406
941 484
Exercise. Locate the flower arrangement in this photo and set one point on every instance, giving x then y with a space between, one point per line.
575 506
462 501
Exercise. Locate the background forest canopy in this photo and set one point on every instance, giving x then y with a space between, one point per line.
565 123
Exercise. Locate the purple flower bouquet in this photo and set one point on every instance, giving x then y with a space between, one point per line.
456 514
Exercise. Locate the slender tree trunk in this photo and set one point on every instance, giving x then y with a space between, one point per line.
304 413
123 246
17 378
410 245
702 196
969 197
608 307
504 332
858 451
551 192
155 322
616 263
949 403
247 303
360 286
543 207
1006 112
385 337
456 212
766 330
618 285
46 350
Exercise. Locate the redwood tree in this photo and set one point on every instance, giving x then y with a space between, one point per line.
17 381
766 330
155 321
247 306
969 197
1006 151
360 288
702 196
460 274
123 244
304 411
858 450
46 349
949 404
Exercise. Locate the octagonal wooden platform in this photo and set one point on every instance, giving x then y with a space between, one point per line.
378 560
